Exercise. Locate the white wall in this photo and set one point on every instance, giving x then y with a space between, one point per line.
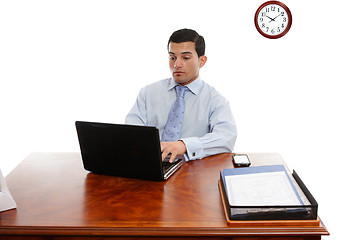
68 60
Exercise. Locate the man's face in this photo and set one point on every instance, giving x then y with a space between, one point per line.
184 62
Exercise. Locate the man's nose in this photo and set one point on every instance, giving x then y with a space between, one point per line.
178 63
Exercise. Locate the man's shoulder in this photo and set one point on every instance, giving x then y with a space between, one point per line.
211 90
212 95
155 87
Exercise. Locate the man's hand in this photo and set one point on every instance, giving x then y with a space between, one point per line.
173 148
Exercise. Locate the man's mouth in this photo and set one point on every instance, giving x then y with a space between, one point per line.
178 72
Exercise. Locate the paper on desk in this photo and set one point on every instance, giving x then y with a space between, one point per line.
261 189
6 200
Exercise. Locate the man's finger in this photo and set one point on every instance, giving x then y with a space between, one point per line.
164 155
172 157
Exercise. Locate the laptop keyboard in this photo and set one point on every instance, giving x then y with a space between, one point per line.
167 166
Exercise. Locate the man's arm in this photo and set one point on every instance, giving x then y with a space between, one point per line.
221 137
137 115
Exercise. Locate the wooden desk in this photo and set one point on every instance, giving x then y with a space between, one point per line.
58 199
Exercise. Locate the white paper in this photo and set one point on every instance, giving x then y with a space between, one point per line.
261 189
6 200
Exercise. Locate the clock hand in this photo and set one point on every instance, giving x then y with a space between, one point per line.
270 18
276 17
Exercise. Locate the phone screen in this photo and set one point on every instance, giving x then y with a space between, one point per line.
241 160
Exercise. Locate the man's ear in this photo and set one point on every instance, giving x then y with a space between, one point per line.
202 61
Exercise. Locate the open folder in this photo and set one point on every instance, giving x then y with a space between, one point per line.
266 192
6 200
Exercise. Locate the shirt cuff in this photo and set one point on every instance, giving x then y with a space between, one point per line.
194 148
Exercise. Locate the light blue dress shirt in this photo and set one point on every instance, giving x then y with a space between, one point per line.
208 126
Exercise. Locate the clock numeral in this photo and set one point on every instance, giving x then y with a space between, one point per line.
263 14
272 31
283 25
263 25
261 19
284 19
278 29
273 8
267 9
267 28
282 14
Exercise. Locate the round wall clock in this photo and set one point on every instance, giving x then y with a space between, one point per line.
273 19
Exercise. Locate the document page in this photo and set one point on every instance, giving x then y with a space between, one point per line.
261 189
6 200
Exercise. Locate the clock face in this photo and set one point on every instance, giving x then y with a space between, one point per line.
273 19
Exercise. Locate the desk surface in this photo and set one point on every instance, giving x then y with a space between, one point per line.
56 196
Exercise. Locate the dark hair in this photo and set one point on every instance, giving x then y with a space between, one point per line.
189 35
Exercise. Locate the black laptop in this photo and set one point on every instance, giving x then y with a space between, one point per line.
123 150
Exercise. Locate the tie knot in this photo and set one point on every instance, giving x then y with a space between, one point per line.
181 90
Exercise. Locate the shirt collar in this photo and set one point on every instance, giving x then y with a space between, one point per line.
194 86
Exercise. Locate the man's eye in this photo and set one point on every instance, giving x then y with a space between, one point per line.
172 58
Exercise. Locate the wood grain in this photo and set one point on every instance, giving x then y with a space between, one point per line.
56 197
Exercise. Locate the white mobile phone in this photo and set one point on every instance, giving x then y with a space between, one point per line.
241 160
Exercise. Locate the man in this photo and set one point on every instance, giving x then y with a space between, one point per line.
208 126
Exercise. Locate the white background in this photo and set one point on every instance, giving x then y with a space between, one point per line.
62 61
